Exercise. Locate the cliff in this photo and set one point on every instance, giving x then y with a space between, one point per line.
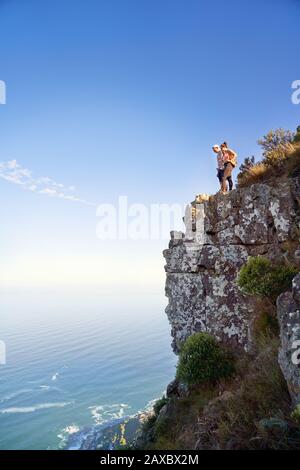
202 264
259 407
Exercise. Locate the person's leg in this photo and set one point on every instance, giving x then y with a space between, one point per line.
224 180
220 176
230 182
227 173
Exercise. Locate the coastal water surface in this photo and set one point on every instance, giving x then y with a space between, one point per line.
78 358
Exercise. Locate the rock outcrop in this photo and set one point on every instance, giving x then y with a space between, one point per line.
202 264
288 309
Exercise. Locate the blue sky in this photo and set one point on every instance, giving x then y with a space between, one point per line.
126 97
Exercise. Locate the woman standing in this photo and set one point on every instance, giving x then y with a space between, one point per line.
230 162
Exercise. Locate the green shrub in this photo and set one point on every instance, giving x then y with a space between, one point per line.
149 423
276 145
260 277
246 166
159 404
175 430
295 415
293 161
280 158
151 420
203 361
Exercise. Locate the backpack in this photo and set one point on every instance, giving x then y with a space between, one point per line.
233 160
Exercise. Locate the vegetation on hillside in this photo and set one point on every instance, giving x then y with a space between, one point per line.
251 410
280 158
245 407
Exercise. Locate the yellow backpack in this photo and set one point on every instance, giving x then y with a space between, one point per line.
233 160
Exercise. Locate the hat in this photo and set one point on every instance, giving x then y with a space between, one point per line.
217 147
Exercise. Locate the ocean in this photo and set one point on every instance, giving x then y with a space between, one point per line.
79 359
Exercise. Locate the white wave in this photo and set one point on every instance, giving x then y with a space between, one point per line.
16 394
31 409
55 376
66 432
104 413
71 429
75 438
45 388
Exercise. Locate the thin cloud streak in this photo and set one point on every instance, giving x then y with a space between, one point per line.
14 173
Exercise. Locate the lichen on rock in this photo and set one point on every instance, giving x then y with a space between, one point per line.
202 264
288 309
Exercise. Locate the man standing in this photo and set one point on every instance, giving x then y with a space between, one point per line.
220 163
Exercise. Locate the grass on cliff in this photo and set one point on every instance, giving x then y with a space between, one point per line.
176 429
210 419
286 166
229 414
202 364
235 423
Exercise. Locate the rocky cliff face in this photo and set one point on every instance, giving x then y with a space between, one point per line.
257 408
288 308
202 264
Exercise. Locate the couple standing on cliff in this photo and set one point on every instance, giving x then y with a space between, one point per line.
227 161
